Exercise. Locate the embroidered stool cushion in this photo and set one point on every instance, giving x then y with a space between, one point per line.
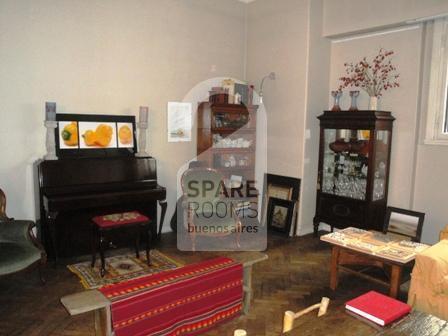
118 219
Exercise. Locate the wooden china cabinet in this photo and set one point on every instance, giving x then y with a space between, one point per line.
227 138
353 173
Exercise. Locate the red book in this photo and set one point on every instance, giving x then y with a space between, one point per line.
378 308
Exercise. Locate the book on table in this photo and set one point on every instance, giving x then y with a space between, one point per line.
378 308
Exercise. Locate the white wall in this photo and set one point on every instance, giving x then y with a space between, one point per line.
318 71
402 101
431 177
110 57
286 37
348 16
276 40
106 57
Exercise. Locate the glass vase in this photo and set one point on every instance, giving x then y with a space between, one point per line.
337 97
354 104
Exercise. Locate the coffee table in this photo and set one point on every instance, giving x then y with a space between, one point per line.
341 256
359 247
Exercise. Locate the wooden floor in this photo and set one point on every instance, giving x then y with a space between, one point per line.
295 276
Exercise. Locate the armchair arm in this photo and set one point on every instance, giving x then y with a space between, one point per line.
15 230
5 218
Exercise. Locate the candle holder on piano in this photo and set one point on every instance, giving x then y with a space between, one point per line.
142 126
51 124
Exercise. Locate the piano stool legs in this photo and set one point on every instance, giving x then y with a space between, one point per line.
103 263
99 240
148 244
145 230
137 243
94 243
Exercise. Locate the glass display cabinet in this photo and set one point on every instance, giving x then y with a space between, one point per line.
353 173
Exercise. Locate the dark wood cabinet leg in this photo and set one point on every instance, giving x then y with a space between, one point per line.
163 205
316 226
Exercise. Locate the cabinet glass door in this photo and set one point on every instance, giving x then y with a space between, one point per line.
345 162
382 140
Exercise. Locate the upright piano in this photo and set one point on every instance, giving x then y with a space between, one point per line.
73 190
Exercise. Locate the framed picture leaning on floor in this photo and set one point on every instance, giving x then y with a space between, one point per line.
284 188
280 214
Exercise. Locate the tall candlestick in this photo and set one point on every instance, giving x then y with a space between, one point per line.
143 114
142 126
51 124
50 111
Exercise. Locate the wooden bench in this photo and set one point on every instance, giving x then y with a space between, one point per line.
94 300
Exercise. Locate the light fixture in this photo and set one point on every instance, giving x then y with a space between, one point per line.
270 76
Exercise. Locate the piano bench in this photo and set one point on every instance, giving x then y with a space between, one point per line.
126 220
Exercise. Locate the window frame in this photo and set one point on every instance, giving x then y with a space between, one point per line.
437 107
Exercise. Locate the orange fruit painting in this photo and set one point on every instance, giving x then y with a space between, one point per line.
101 137
125 135
89 138
70 134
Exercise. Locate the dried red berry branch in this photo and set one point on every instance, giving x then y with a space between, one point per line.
373 77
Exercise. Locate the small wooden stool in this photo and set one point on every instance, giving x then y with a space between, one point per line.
132 219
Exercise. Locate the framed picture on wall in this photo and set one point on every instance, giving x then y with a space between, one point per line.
68 135
94 135
179 121
97 134
125 132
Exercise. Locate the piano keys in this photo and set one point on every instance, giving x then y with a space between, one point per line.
86 187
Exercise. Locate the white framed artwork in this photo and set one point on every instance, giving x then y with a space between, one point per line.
179 122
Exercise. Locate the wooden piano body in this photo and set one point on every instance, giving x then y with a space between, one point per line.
72 190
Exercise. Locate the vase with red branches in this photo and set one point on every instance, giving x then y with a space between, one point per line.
373 77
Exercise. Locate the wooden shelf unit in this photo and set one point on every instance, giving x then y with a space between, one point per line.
231 121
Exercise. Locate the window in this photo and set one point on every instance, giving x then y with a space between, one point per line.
437 109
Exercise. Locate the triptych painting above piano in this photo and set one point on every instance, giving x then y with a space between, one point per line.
86 135
96 171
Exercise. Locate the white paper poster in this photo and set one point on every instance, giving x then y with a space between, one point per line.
179 121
